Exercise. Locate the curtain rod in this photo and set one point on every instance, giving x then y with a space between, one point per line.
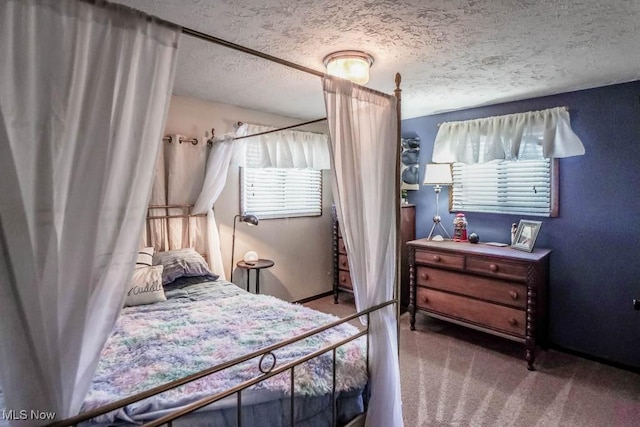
240 48
279 129
193 141
482 118
212 39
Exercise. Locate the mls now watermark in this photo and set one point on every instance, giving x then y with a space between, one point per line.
24 415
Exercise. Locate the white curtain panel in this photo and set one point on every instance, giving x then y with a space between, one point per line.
185 168
179 173
283 149
158 234
363 126
83 99
504 137
214 182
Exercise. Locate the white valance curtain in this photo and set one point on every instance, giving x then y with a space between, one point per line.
283 149
363 127
83 100
507 137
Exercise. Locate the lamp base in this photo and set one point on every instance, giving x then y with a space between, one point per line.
437 222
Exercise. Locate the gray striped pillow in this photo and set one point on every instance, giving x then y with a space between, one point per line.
182 263
145 257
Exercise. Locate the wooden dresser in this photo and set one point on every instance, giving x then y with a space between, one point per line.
498 290
341 277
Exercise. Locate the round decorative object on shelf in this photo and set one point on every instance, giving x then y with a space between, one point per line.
251 256
473 238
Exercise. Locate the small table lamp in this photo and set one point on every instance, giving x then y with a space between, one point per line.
437 174
248 219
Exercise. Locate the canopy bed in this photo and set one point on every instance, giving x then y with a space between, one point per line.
73 208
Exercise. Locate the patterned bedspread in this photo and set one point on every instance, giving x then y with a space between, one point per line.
204 324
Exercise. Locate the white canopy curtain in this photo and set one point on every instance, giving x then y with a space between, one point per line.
283 149
505 137
214 182
83 100
363 127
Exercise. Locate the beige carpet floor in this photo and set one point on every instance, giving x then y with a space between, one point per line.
453 376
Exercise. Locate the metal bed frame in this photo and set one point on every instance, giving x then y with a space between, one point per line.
267 363
267 366
265 354
165 221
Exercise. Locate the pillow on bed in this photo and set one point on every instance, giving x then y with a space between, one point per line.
146 286
182 263
145 257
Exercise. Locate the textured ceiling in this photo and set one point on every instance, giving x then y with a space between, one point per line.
451 54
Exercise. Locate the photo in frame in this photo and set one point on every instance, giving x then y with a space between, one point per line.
526 235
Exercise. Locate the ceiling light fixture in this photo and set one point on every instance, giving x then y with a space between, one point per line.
349 64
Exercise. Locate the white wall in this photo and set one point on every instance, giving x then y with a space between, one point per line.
300 247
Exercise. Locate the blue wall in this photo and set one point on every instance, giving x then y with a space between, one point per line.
595 264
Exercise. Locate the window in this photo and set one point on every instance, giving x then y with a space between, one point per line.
281 192
525 187
507 164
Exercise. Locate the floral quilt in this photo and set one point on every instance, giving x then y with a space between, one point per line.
204 324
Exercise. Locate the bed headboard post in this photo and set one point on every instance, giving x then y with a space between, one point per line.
398 94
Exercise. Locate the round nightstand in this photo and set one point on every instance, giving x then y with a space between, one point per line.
257 266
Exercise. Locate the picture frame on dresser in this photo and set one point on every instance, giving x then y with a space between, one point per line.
526 235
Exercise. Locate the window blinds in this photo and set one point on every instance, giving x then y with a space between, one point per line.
523 185
281 192
515 187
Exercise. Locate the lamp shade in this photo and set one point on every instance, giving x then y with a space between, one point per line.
249 219
349 64
437 174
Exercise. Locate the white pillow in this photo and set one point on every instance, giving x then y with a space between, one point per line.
145 257
146 286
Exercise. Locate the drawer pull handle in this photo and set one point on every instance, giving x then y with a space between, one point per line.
513 322
426 300
343 263
436 258
493 267
343 279
513 294
424 276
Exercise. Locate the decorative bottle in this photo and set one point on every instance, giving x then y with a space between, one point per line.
460 228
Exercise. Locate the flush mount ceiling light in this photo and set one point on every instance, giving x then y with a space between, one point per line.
349 64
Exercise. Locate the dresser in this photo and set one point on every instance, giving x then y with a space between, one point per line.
498 290
341 276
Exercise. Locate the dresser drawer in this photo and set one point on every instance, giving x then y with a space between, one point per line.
504 319
439 259
497 268
343 262
344 279
341 248
492 290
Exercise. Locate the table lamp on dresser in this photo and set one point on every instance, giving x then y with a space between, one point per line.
437 174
